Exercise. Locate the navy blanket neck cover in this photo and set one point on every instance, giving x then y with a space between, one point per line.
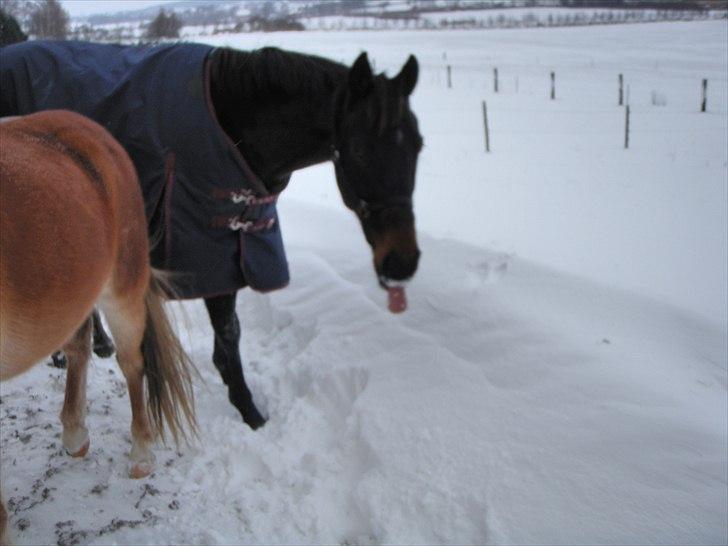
213 222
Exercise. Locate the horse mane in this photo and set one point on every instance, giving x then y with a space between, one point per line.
271 72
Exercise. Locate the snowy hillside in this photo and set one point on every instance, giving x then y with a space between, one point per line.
202 18
560 375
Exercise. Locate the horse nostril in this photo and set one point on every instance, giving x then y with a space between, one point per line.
398 266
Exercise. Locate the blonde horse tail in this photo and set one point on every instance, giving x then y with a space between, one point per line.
168 368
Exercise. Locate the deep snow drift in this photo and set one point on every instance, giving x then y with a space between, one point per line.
515 402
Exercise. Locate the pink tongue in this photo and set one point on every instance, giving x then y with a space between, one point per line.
397 299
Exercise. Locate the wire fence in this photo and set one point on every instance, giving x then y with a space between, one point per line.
532 69
509 81
512 76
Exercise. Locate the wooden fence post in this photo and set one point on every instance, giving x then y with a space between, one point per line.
621 90
495 80
704 103
449 77
626 127
553 85
485 124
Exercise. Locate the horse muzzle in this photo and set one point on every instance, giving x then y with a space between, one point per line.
393 274
398 266
396 253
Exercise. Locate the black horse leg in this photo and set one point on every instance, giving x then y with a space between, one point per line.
226 356
58 360
103 346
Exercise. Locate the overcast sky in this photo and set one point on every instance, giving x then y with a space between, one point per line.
77 8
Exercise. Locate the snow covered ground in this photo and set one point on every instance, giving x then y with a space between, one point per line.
559 378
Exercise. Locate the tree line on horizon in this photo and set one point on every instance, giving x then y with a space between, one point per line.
47 19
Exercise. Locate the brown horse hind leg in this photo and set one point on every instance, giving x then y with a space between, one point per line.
73 414
126 318
4 540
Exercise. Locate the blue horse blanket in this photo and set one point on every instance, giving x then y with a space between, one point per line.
212 222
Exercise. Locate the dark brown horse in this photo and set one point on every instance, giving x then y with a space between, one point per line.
286 111
69 194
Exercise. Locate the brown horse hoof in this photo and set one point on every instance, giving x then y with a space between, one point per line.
83 450
140 470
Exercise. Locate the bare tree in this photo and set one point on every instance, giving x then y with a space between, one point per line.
14 8
164 26
49 20
20 10
10 31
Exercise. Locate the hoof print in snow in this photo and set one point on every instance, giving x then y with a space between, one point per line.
489 270
147 489
99 488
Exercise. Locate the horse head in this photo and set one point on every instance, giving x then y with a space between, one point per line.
377 143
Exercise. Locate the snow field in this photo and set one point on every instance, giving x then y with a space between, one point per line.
523 406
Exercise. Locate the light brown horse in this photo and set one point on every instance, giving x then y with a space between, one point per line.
73 235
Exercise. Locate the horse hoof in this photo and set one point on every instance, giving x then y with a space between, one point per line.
140 470
82 451
255 421
250 414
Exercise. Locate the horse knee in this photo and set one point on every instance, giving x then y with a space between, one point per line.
128 330
131 364
226 350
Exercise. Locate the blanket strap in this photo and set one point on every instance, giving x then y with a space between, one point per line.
250 226
244 196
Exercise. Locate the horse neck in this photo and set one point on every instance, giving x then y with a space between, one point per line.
277 107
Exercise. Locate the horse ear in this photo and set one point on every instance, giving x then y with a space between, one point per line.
360 76
407 77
